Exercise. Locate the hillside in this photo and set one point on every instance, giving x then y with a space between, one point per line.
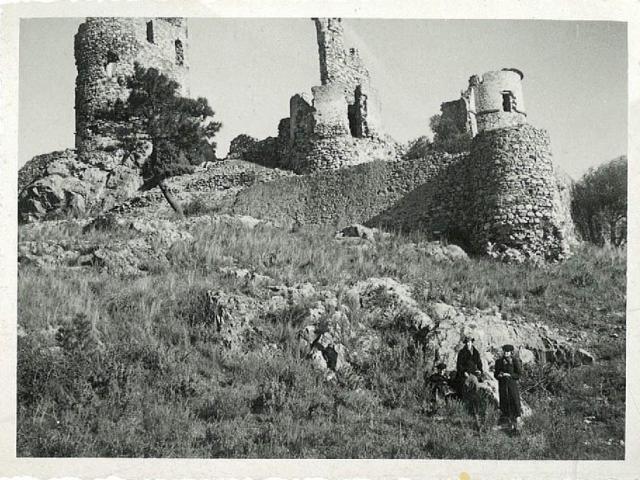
224 336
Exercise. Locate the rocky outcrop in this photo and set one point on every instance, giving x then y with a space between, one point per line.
153 239
57 184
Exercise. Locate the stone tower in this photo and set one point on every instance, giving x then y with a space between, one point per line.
491 101
497 100
342 68
105 51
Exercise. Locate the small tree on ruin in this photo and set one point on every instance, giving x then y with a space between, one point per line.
447 136
180 129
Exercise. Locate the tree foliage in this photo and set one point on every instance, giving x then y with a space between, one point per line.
180 129
599 203
418 148
448 136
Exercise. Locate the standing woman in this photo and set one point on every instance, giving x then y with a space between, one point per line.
508 370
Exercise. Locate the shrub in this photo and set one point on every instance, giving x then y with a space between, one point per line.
447 136
599 203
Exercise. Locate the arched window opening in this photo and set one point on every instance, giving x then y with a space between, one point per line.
150 32
179 53
110 65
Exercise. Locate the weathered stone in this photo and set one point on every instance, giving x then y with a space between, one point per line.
231 315
359 231
106 49
583 357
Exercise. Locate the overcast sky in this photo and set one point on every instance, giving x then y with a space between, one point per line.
575 81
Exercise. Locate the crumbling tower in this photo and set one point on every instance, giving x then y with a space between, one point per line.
341 68
491 101
338 125
497 99
106 49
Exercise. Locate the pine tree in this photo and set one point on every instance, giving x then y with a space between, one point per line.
180 129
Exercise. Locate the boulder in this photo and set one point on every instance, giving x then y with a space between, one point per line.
491 330
359 231
582 357
438 251
38 167
394 300
57 184
230 315
51 197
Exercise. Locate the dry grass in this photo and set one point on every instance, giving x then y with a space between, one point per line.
112 366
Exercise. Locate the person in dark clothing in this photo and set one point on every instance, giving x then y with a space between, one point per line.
468 376
508 371
468 363
438 384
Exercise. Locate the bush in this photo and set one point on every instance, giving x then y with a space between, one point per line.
599 203
418 148
197 207
447 136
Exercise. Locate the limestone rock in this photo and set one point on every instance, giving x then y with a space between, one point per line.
583 357
51 197
231 315
359 231
58 184
245 274
491 331
115 261
395 299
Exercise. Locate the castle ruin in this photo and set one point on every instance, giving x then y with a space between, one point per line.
491 101
503 193
106 49
339 125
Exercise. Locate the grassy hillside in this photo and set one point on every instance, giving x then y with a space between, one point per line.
132 366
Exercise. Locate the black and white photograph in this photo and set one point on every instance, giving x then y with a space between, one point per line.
321 237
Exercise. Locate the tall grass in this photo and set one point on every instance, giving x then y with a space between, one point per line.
120 366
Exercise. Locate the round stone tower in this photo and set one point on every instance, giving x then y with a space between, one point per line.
498 99
106 49
511 191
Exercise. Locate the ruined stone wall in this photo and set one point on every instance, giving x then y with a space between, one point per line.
456 112
329 112
337 63
366 115
502 193
511 188
489 100
334 153
492 101
337 198
105 51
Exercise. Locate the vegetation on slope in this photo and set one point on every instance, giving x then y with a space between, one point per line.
599 203
131 366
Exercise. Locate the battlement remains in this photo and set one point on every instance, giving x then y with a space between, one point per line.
491 101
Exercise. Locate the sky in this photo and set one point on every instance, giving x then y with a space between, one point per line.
575 83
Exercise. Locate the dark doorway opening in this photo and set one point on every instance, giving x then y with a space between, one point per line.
179 53
352 113
507 101
150 32
110 65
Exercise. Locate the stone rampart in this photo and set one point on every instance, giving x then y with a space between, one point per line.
503 194
511 186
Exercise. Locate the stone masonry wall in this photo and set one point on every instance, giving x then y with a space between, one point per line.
502 193
105 51
512 186
483 105
337 63
337 152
